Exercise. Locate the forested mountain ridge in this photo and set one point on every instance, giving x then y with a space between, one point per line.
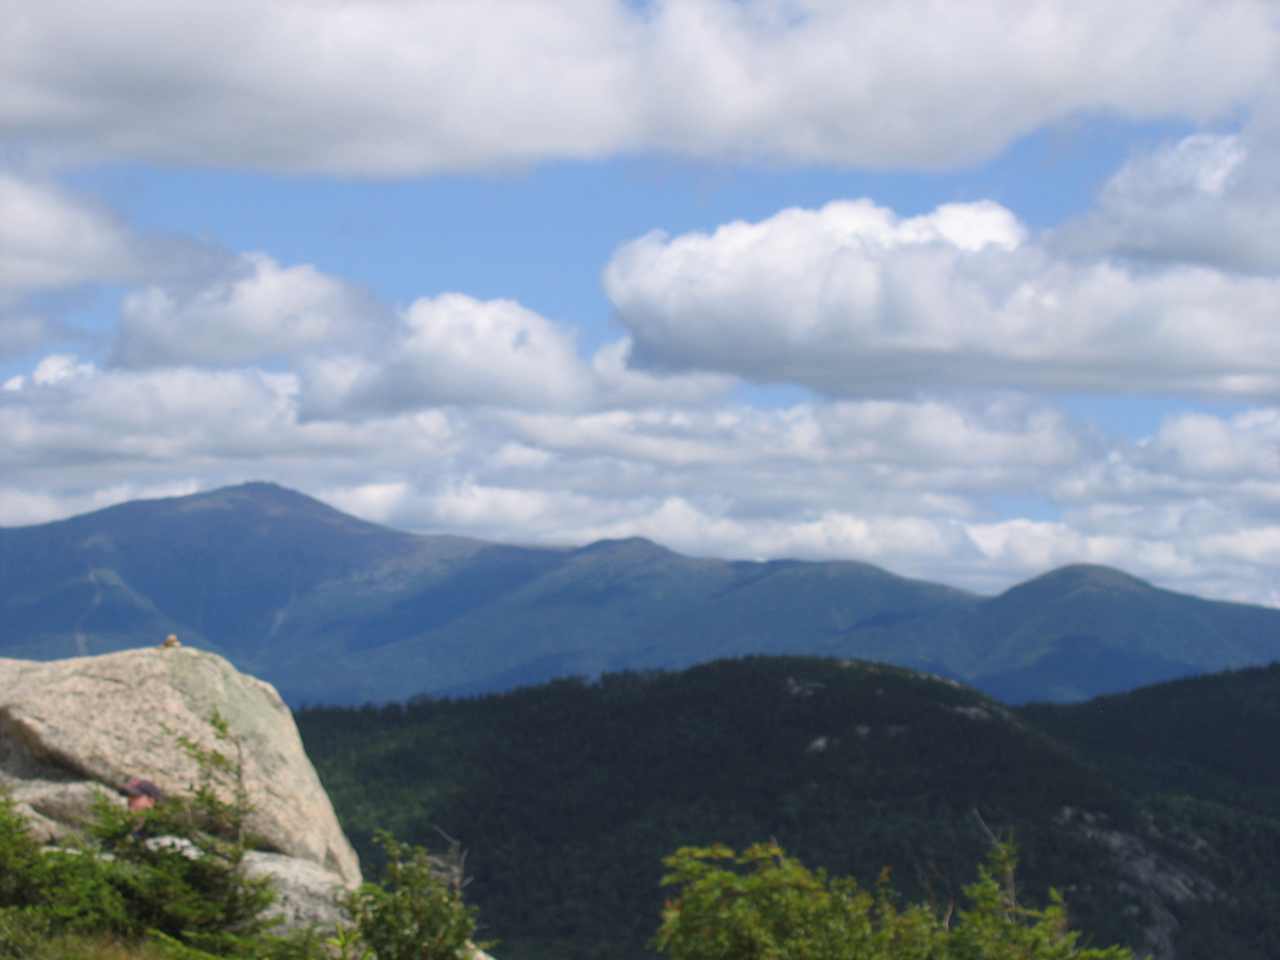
1212 737
567 795
332 609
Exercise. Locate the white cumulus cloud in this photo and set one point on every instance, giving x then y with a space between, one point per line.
849 299
1205 199
258 310
50 240
454 349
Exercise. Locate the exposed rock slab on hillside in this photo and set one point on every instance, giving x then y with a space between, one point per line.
72 728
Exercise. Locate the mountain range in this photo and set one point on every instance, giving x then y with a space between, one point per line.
333 609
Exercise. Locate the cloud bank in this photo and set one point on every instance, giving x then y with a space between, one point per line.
383 88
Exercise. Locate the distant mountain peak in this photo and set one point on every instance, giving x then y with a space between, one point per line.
268 499
624 546
1081 576
1094 574
252 489
260 492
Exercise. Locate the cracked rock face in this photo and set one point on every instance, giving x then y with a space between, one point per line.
1160 883
72 728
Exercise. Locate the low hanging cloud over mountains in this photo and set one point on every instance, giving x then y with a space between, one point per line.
484 417
840 378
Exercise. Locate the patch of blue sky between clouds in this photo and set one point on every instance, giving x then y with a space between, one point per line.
771 396
1136 417
542 235
1028 506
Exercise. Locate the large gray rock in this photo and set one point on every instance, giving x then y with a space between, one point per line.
306 894
70 729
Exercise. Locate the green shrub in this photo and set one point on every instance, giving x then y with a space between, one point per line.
20 883
22 931
82 893
416 914
190 895
193 891
764 905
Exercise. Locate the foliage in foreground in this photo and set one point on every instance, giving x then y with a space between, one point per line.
116 887
125 899
757 905
763 905
169 882
417 914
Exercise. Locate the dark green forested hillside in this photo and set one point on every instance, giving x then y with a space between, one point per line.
1201 754
1212 736
568 794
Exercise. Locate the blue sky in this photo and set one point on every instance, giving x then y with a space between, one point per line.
968 291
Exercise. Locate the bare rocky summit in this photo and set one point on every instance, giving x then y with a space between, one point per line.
71 729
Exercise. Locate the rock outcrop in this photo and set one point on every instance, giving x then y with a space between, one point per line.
71 729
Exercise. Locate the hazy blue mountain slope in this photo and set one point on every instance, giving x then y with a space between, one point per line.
222 569
1123 611
1074 667
1080 631
788 606
336 610
632 604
